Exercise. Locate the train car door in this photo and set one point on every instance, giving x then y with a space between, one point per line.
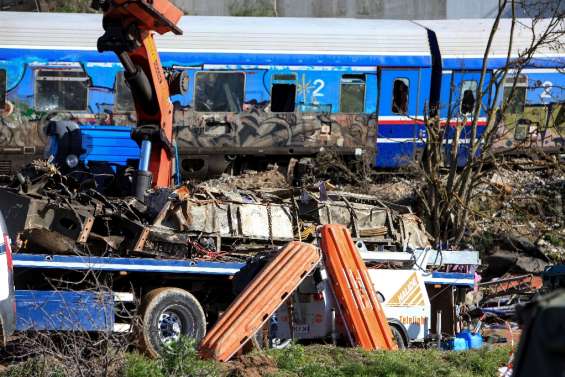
463 97
398 109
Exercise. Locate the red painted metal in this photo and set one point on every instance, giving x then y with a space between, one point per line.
260 299
362 313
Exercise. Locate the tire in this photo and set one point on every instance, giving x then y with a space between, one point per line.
398 338
168 314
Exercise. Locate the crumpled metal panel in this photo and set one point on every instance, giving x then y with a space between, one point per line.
241 220
254 221
414 231
359 218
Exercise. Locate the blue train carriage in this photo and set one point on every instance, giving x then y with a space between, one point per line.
50 69
292 87
284 87
534 119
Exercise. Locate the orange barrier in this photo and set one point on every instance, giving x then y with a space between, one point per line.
260 299
362 313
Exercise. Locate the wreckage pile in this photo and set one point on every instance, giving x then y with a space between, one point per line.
53 213
522 224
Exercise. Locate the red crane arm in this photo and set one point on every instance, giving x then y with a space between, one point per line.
129 27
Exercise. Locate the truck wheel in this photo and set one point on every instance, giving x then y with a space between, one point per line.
168 314
397 337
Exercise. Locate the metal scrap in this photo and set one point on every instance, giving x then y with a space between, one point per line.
49 212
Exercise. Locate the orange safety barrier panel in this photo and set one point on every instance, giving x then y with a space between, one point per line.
260 299
362 313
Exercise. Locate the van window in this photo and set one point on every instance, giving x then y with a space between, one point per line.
283 93
468 96
400 96
516 104
352 94
2 89
61 89
219 91
123 99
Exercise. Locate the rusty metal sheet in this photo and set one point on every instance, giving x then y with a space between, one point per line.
362 313
252 308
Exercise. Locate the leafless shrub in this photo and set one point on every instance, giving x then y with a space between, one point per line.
449 189
76 351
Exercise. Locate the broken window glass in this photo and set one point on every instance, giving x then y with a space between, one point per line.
2 89
352 94
400 96
123 99
468 96
219 91
517 102
61 89
283 93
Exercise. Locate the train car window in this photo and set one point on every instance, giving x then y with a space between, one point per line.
468 96
400 96
522 129
61 89
516 103
352 98
2 89
123 99
219 91
283 93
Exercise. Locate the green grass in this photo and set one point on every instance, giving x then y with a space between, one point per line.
182 360
318 361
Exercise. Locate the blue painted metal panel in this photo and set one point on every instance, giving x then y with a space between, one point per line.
498 63
200 58
64 311
450 278
112 144
63 262
555 270
544 86
397 133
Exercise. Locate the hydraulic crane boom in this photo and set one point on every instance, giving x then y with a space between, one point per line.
129 26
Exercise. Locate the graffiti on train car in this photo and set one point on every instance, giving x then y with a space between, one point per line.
280 133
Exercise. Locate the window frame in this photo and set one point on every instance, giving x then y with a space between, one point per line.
527 126
521 82
406 81
461 95
218 71
85 78
286 81
342 84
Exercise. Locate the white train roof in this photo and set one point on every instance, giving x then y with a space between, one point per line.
466 39
318 41
225 35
